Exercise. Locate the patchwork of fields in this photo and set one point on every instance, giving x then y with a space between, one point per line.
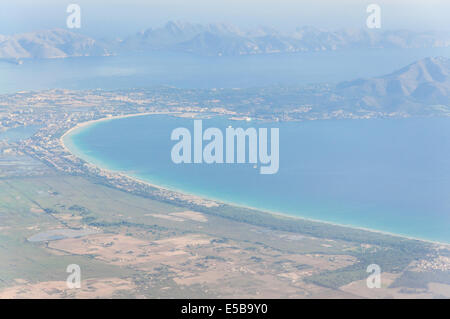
131 246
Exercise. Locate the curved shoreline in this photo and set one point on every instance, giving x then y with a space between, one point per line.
220 201
104 119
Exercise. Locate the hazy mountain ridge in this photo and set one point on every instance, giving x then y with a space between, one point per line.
224 39
213 39
57 43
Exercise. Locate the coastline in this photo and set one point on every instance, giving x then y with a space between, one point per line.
104 119
219 201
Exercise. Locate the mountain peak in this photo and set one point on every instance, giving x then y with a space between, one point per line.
427 80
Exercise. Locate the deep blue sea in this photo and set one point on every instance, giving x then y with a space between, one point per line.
391 175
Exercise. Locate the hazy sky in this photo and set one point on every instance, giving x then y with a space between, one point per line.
113 18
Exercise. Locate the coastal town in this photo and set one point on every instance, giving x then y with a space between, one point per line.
63 115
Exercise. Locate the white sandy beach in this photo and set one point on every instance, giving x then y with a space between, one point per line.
218 201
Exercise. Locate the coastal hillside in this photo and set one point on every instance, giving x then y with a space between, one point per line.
421 88
424 83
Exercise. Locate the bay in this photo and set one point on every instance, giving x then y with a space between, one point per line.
391 175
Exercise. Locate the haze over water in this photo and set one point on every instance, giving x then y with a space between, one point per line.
185 70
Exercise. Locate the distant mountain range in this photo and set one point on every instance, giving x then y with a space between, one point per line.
212 39
224 39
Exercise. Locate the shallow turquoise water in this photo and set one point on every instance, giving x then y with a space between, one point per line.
388 175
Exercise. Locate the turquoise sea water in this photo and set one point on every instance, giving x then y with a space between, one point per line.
390 175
